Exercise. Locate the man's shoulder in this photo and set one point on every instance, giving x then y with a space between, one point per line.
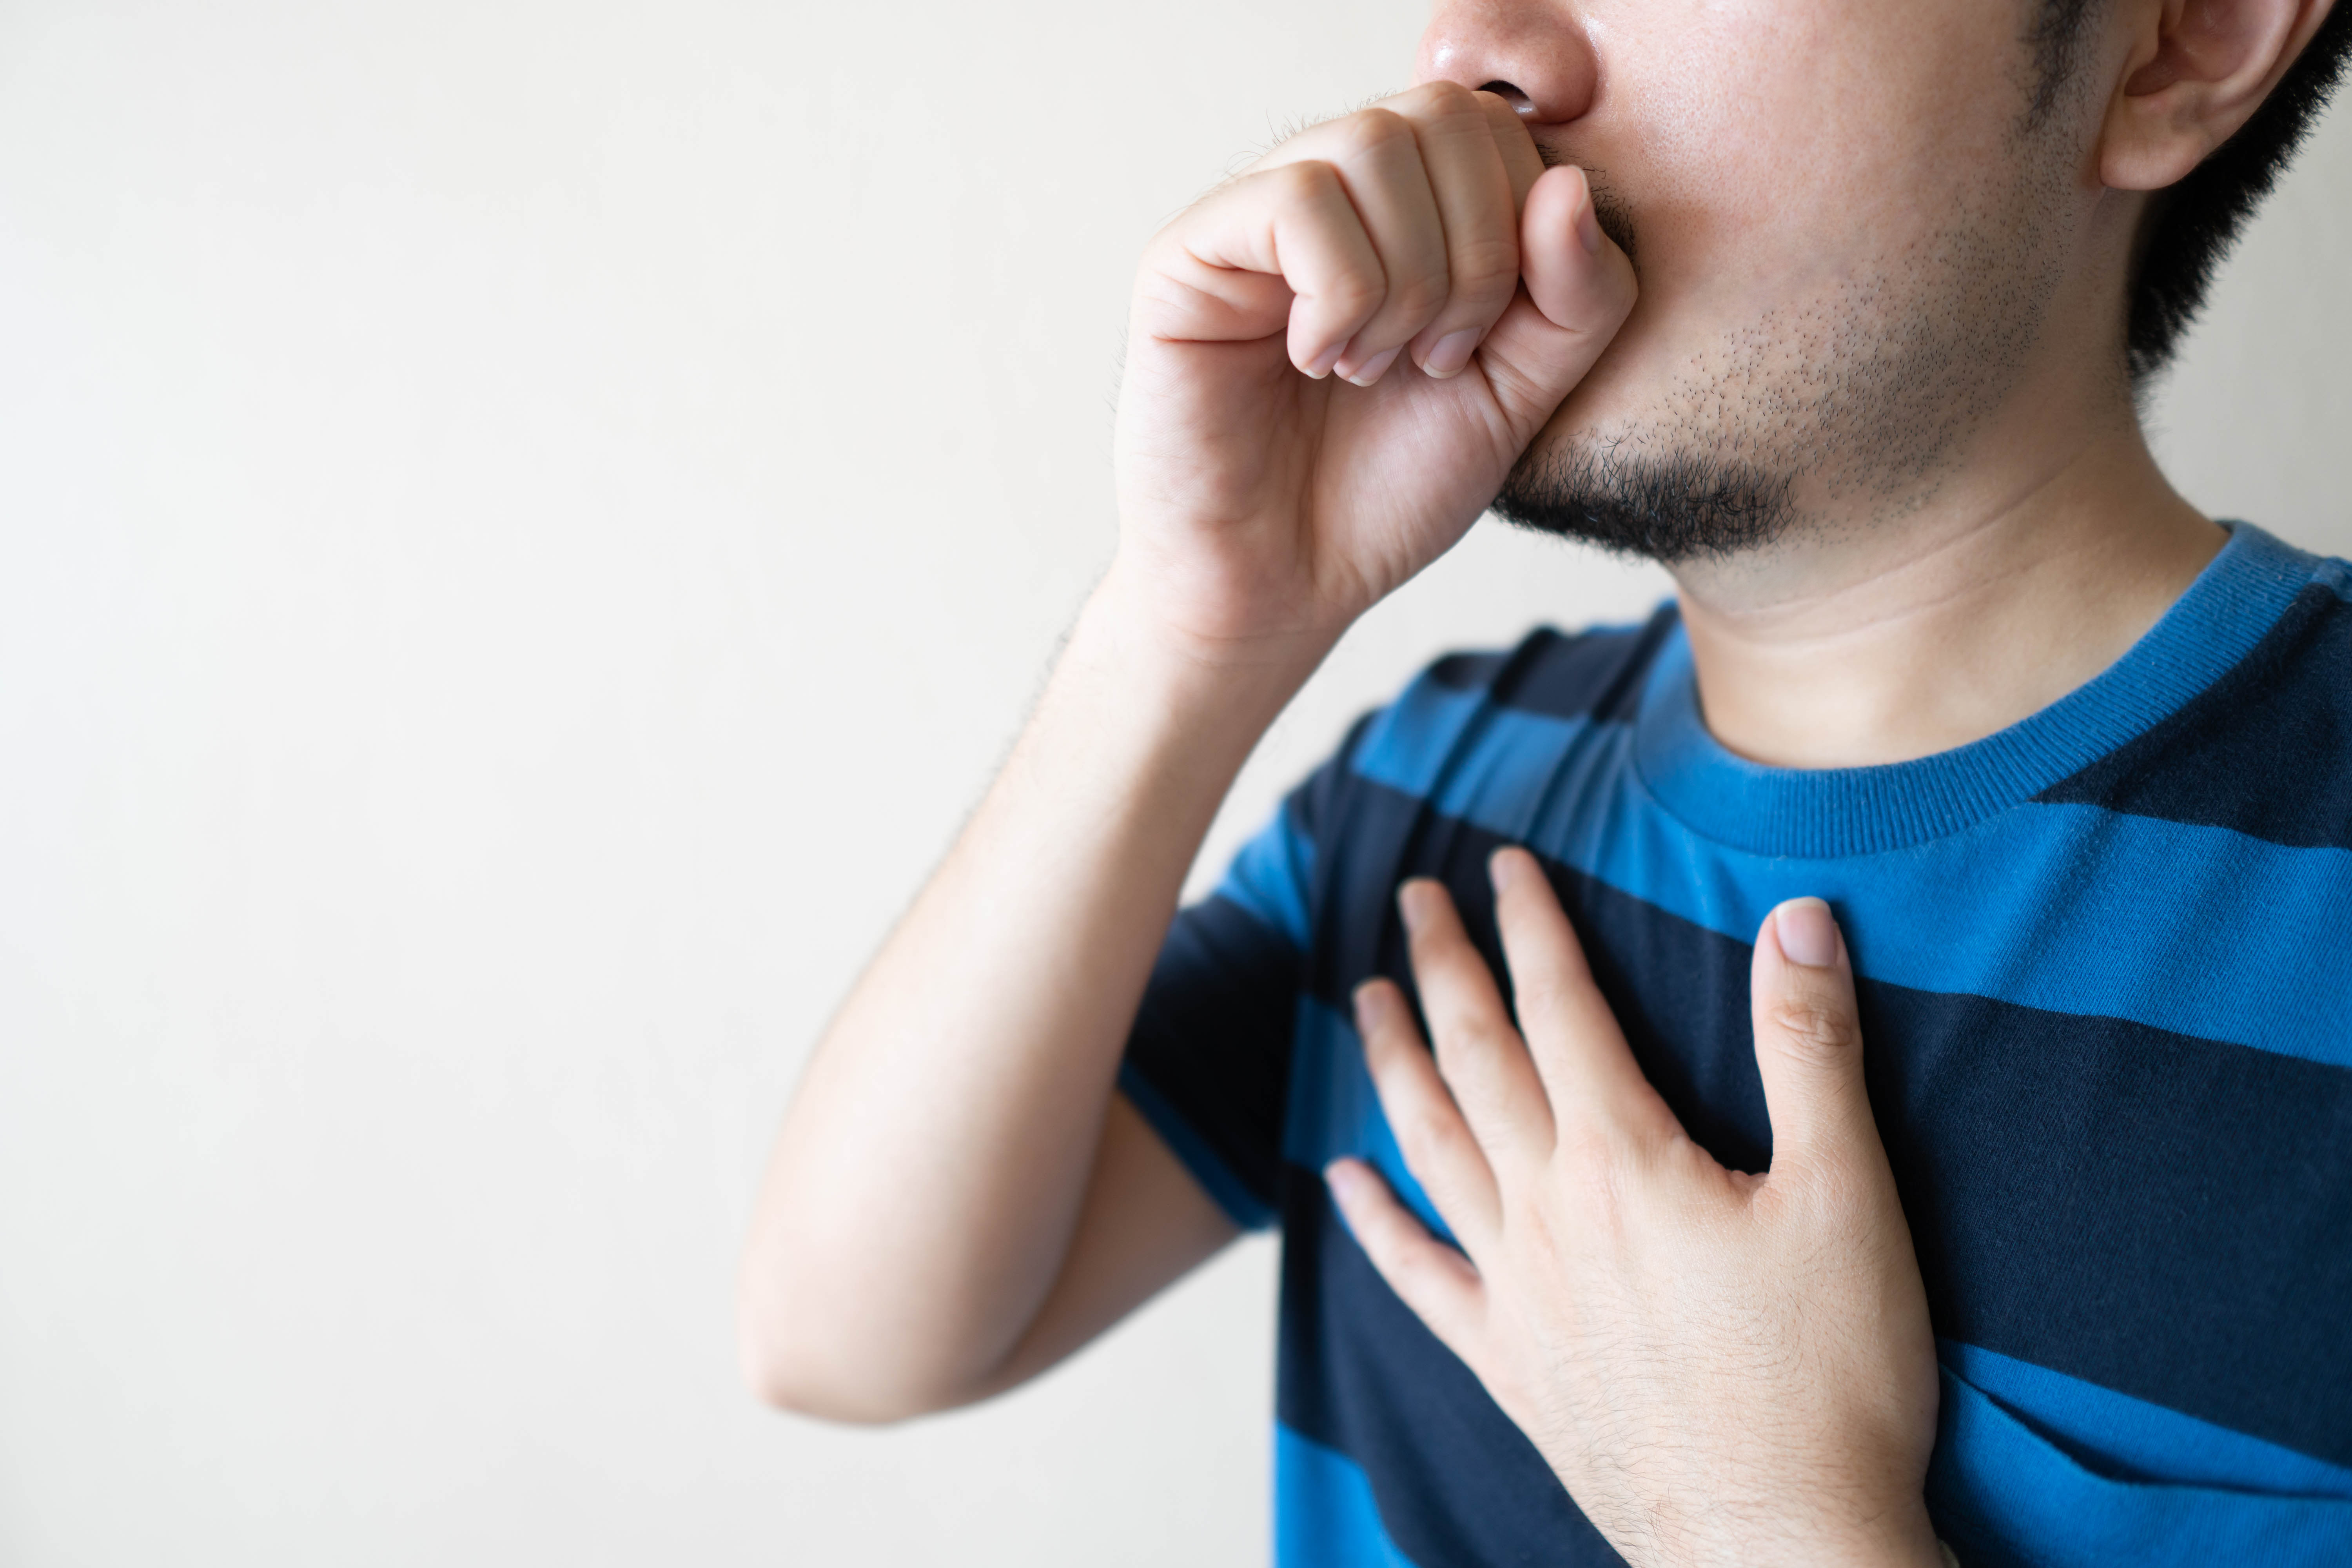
1476 728
2266 748
1549 684
1594 674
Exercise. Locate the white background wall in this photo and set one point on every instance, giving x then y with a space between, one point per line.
522 529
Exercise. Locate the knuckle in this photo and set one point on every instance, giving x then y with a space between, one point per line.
1432 960
1832 1194
1600 1166
1547 1007
1424 1137
1485 268
1442 100
1470 1037
1537 995
1370 130
1418 1278
1410 1267
1588 1150
1421 296
1464 1042
1815 1027
1354 294
1307 180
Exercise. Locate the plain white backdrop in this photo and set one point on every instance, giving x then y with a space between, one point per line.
523 527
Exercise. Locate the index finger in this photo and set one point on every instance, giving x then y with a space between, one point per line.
1580 1053
1522 160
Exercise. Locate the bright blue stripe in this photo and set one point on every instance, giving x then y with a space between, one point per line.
1335 1110
2003 1494
1323 1514
1240 1205
1270 875
1423 744
1818 813
2067 907
2132 1435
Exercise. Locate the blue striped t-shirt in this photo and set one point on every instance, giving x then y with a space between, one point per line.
2105 961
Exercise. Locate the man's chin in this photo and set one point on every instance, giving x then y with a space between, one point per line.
1641 495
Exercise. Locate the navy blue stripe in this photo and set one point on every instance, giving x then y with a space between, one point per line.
1456 1482
1244 1207
1379 1397
1597 673
1326 1516
1208 1059
1335 1110
2266 751
2156 1213
1818 813
2026 906
1271 874
2148 1212
1211 1040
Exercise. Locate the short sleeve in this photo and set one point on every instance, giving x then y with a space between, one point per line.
1208 1062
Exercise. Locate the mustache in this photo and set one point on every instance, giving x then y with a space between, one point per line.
1608 208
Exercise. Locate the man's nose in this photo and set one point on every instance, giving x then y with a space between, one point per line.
1534 53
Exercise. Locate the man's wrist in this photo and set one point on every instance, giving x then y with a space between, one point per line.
1902 1539
1226 678
1905 1539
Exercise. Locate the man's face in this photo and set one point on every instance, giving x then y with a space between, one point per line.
1847 237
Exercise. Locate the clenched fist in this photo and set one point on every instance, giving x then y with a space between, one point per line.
1333 361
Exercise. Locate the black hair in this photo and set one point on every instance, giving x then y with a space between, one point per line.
2194 222
1672 508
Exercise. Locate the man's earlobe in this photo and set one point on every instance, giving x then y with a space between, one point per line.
2197 74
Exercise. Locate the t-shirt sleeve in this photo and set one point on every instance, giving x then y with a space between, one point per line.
1208 1063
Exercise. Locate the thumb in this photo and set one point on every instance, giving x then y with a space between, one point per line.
1809 1039
1576 289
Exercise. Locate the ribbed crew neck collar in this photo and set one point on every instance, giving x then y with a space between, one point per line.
1820 812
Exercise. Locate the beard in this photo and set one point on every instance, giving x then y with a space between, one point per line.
1670 507
1857 400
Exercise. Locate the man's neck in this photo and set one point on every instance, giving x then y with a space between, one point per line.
2016 581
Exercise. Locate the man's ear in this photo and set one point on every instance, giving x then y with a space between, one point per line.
2198 70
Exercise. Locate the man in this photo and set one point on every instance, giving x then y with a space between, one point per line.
1526 1018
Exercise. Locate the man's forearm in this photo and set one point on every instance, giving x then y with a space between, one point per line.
931 1168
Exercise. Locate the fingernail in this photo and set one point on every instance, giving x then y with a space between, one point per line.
1412 903
1501 867
1808 934
1450 353
1372 1005
1320 366
1342 1178
1369 371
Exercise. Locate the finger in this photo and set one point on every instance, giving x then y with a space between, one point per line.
1522 161
1809 1040
1282 244
1377 157
1439 1148
1438 1283
1478 212
1576 292
1479 1051
1390 187
1587 1071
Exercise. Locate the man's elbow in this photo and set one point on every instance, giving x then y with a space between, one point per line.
802 1370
